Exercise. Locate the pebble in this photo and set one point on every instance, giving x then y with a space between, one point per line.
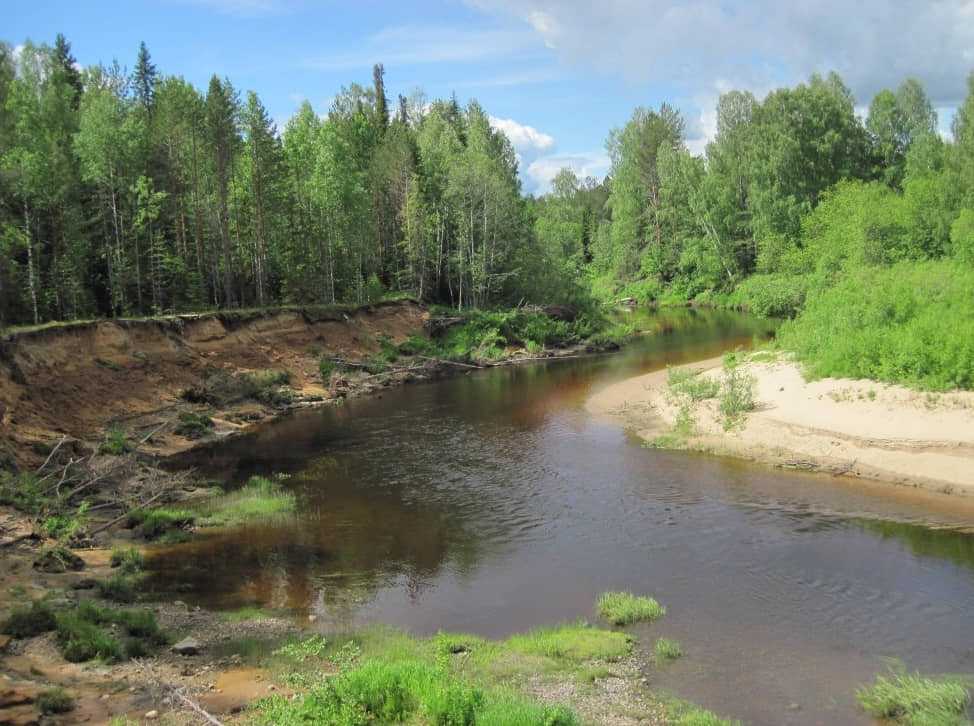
151 715
105 696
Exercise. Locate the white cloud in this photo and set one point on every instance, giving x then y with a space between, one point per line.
522 78
542 171
525 139
244 8
873 44
424 44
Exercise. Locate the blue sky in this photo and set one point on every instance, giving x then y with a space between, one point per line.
555 74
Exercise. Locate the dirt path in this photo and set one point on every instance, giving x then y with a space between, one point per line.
853 428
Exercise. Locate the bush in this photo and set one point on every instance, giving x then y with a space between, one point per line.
624 608
736 394
193 425
772 296
119 587
688 382
54 700
914 699
81 640
912 323
26 622
116 442
128 559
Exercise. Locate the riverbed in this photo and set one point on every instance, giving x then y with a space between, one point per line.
493 502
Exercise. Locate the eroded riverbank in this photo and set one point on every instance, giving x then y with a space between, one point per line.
858 429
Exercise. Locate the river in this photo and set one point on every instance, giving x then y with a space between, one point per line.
493 503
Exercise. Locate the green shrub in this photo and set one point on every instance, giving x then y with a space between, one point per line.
667 650
690 383
736 395
54 700
193 425
128 559
115 443
26 622
624 608
912 323
63 527
326 367
156 522
22 492
120 587
417 345
774 295
915 699
81 640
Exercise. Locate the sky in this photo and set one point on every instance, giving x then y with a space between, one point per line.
555 75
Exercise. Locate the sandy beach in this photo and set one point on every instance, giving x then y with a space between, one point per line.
843 427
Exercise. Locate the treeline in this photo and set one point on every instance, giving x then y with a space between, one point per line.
861 229
137 193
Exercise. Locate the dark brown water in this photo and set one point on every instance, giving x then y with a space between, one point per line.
493 503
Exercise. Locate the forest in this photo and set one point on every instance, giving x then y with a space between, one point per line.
135 193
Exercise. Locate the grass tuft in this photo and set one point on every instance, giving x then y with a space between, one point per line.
667 650
26 622
259 498
914 699
574 642
54 700
128 559
624 608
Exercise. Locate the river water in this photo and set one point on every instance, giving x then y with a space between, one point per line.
494 503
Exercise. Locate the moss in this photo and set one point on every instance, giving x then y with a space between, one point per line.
624 608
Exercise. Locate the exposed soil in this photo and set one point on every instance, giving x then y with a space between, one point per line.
841 427
78 380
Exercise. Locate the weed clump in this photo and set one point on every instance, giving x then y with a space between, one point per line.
736 393
81 640
54 700
914 699
115 443
26 622
258 498
667 650
156 522
573 642
120 587
127 559
624 608
691 384
58 559
193 425
220 388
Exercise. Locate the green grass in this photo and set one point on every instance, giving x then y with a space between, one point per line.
686 714
624 608
259 498
81 640
690 383
574 643
128 560
54 700
666 649
156 522
193 425
121 587
115 442
736 394
917 700
84 633
910 323
26 622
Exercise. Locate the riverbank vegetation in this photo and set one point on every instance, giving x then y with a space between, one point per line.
915 700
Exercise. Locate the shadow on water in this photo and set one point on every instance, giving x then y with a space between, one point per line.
493 503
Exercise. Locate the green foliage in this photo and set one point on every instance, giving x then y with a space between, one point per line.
687 714
484 335
26 622
83 633
63 527
577 643
326 367
914 699
962 236
258 498
774 295
120 587
908 323
81 640
116 442
128 559
667 650
22 491
690 383
624 608
53 701
220 388
736 393
301 650
156 522
193 425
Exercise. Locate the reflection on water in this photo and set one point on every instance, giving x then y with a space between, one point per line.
493 503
